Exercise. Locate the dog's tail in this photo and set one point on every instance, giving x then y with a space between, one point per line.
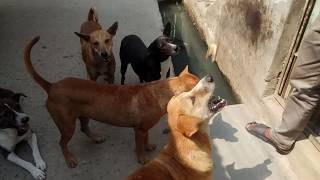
92 15
27 60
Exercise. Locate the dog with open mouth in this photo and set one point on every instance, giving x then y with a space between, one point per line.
187 155
96 48
14 128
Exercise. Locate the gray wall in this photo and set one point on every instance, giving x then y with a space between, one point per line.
253 39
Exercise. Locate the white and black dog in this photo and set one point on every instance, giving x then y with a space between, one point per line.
14 128
149 63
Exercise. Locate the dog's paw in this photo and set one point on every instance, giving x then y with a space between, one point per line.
38 174
151 147
72 162
99 140
40 164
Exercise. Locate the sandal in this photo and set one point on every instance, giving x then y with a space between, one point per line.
259 130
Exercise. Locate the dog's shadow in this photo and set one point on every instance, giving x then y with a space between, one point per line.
219 129
258 172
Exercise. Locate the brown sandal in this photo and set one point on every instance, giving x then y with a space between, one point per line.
259 130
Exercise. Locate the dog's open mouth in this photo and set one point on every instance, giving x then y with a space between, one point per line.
105 59
23 129
175 51
216 104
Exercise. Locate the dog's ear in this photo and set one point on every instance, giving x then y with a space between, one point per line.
185 71
92 15
85 37
167 29
16 97
188 125
113 29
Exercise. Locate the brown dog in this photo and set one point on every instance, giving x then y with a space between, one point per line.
187 156
138 106
96 47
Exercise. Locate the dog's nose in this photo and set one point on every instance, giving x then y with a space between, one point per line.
105 55
177 48
209 78
25 120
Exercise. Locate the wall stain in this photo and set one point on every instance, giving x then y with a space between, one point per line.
252 19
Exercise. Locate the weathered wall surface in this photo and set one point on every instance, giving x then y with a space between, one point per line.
249 34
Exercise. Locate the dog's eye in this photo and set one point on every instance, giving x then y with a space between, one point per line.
193 99
96 43
107 41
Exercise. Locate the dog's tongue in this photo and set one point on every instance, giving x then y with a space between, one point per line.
216 104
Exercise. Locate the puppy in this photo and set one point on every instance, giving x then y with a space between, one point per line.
14 128
187 155
138 106
96 47
146 62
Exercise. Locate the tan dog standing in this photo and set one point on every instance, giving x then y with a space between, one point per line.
138 106
187 156
96 47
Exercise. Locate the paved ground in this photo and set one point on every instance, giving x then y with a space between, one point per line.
57 55
240 156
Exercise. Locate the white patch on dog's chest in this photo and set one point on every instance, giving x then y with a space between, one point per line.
9 138
165 66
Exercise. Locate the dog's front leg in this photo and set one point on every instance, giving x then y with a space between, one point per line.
33 143
36 173
147 145
140 136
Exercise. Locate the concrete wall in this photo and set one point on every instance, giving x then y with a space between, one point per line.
253 38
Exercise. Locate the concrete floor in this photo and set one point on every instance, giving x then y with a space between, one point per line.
240 156
56 56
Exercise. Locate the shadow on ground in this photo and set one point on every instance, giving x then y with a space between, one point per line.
223 131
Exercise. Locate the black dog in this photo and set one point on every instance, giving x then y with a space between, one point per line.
14 128
146 62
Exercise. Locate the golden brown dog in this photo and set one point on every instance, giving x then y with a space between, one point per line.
187 156
138 106
96 47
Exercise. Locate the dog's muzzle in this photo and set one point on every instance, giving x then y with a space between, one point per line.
216 104
105 56
174 49
23 125
177 49
22 129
